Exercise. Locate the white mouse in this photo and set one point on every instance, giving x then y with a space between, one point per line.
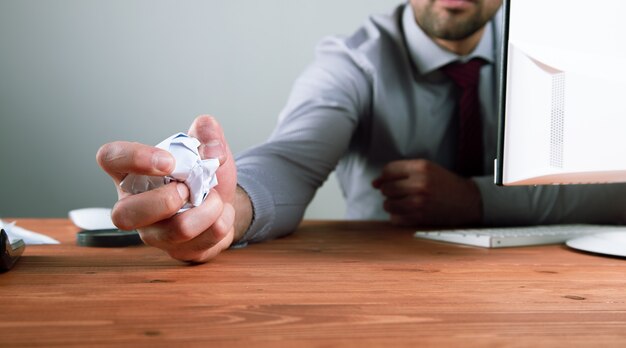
608 243
92 218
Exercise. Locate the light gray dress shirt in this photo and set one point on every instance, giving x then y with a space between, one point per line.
378 96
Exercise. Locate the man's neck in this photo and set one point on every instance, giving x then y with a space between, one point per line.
461 47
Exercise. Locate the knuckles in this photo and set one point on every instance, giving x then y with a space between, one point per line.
219 230
417 202
181 230
420 165
422 186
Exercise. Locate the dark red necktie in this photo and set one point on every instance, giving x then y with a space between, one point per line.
469 161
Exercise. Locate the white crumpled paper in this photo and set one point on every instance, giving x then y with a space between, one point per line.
196 173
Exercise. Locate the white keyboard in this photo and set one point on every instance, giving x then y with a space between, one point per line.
515 236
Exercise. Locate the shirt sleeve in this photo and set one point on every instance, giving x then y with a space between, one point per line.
313 132
550 204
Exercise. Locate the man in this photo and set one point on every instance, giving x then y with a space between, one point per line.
411 136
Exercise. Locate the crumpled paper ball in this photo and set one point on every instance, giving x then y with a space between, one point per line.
196 173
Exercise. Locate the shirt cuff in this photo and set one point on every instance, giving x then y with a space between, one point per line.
503 206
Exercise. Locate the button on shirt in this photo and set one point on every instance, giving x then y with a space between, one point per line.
377 96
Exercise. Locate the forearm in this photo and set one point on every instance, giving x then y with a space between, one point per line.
278 179
277 192
525 205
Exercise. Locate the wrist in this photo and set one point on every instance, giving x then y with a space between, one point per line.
244 213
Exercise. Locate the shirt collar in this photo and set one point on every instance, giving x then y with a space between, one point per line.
428 56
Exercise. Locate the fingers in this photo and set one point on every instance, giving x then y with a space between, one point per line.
407 177
405 205
392 171
419 192
213 145
197 234
399 170
402 169
211 242
147 208
209 132
186 225
417 185
120 158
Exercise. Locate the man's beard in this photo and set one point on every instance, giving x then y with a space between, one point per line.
453 29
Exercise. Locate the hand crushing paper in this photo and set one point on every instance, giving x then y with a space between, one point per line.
198 234
196 173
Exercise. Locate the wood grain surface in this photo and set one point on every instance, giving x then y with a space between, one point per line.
330 284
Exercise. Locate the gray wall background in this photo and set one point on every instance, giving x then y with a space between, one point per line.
75 74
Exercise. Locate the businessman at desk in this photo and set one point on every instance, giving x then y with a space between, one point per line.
404 110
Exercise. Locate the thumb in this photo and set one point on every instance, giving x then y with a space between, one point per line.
209 132
213 145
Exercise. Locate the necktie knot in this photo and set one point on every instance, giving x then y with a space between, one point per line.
465 75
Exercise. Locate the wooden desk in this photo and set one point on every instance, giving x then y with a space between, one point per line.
329 284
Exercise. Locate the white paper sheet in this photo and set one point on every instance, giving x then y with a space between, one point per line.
92 218
29 237
191 169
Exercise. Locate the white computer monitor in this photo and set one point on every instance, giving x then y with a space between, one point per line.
563 93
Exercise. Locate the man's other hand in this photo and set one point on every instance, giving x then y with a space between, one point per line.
420 192
196 235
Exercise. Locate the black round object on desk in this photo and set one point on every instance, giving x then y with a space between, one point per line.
108 238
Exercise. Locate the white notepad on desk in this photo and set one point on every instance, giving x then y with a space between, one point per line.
499 237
